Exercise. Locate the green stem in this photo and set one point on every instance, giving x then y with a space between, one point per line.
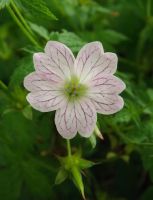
29 36
21 17
69 148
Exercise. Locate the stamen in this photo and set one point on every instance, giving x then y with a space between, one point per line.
73 89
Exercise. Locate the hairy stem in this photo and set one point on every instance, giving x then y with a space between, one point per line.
29 36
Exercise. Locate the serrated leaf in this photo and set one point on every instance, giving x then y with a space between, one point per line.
4 3
61 176
38 8
40 30
141 135
72 40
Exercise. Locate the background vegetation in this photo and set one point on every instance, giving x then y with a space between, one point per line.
29 142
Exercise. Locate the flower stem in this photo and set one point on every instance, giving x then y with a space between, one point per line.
21 17
29 36
69 148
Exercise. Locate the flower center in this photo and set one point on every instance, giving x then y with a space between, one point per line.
73 89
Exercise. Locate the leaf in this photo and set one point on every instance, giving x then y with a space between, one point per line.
37 182
10 182
17 132
24 68
144 134
40 30
150 93
38 8
4 3
147 157
61 176
73 41
115 36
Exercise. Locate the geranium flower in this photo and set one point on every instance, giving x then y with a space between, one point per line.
77 89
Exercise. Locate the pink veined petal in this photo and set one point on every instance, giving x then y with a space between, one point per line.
106 84
37 81
86 117
46 101
61 57
44 64
104 90
87 58
106 65
66 121
107 103
76 117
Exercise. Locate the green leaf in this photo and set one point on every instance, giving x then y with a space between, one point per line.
73 41
38 8
23 69
61 176
37 182
10 182
150 93
40 30
77 179
4 3
115 36
141 135
17 132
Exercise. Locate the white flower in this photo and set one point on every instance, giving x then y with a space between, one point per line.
76 88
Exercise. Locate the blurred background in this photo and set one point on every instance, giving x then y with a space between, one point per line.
29 142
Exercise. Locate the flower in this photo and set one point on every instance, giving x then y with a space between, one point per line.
77 89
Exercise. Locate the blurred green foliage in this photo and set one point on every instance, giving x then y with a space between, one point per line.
32 154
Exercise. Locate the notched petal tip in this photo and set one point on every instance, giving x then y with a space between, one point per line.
90 45
120 85
27 81
37 56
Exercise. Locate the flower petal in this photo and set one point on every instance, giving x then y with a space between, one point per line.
86 117
61 57
46 101
36 81
106 84
76 116
44 64
87 58
107 103
104 90
107 64
66 121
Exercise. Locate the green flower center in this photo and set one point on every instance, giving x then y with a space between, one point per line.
73 89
